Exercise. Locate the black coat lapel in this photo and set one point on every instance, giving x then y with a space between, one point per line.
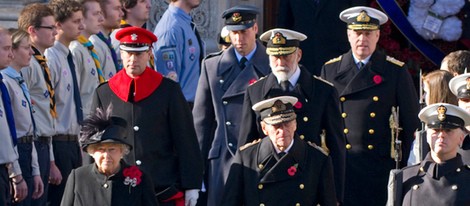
294 159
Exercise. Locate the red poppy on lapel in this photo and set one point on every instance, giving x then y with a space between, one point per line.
133 176
251 81
377 79
298 105
292 170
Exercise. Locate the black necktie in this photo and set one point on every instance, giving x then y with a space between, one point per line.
76 91
360 65
281 154
8 111
201 51
285 86
243 61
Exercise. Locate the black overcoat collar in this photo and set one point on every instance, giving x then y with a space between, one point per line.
279 172
373 74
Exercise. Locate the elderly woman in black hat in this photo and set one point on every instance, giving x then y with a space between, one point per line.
109 180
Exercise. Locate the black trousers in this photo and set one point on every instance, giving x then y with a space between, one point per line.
67 156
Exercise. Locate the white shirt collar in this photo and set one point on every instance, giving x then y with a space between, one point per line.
287 149
294 78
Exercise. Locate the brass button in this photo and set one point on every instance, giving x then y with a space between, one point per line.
372 114
221 81
454 187
344 115
371 131
370 147
228 123
348 146
261 204
342 99
305 119
105 185
415 187
260 186
375 98
458 169
260 166
225 102
346 130
301 186
297 204
138 162
302 136
136 128
421 169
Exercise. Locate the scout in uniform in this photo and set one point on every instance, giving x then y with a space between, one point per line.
179 50
219 97
280 169
88 65
441 178
67 94
161 129
369 84
317 111
460 87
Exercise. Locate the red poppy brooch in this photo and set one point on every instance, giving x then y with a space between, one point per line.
377 79
298 105
292 170
133 176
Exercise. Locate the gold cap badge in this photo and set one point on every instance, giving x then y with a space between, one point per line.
441 113
279 38
363 17
236 17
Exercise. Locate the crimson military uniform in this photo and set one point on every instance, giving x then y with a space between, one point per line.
161 128
367 96
301 174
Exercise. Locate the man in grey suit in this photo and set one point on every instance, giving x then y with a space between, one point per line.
219 97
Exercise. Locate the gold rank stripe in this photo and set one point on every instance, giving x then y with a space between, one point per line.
395 61
249 144
333 60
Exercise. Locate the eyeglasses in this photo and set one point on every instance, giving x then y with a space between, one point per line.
47 27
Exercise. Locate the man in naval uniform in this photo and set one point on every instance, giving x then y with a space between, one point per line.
460 87
162 132
441 178
369 84
219 97
280 169
318 117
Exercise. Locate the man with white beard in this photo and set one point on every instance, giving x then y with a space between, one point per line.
318 117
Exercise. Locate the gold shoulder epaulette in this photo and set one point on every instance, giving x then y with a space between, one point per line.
395 61
250 144
321 79
334 60
317 147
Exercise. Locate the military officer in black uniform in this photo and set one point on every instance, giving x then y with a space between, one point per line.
161 128
441 178
219 96
460 87
280 169
369 84
318 117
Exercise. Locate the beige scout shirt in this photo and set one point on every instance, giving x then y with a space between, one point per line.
67 122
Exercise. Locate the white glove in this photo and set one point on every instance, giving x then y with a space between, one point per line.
190 197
